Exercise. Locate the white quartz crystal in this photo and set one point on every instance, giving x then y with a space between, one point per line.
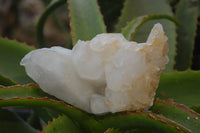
106 74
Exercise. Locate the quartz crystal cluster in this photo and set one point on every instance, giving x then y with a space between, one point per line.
105 74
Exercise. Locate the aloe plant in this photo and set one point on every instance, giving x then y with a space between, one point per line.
176 107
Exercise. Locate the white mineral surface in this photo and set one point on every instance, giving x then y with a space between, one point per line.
106 74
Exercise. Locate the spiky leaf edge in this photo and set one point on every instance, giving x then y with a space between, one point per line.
132 27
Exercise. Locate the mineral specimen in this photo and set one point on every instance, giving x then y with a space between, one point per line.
106 74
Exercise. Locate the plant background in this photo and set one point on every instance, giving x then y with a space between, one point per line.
180 82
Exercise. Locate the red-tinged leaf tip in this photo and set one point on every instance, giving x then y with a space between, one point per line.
108 130
112 130
43 127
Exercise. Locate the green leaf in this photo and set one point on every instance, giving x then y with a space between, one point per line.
87 124
135 8
22 91
196 108
34 120
122 121
142 130
178 113
43 114
86 19
11 123
11 53
130 30
129 120
61 125
112 130
40 25
186 34
29 90
4 81
182 87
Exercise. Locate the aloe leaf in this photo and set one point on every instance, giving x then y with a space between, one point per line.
124 122
39 114
130 30
87 124
22 91
112 130
134 8
34 121
86 19
54 4
178 113
29 90
62 124
11 123
44 114
182 87
196 108
4 81
186 34
11 53
136 120
142 130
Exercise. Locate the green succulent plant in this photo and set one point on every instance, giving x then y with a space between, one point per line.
177 104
